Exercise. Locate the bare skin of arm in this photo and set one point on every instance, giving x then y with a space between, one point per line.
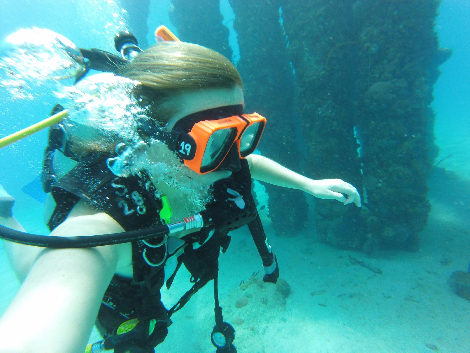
265 169
57 304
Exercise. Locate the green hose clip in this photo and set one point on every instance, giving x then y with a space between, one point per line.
166 213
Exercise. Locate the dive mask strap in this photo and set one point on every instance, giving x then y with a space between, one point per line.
179 142
176 140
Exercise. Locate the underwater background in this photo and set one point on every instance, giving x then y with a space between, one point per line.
376 93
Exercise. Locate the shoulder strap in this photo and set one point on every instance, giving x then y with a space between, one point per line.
130 201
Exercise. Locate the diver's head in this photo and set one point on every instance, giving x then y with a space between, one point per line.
183 95
182 84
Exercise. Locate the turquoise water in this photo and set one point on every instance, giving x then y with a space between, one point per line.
341 307
452 90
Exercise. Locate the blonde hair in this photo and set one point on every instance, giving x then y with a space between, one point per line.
173 68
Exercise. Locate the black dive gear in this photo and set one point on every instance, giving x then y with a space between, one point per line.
91 179
223 334
270 265
101 60
126 43
202 262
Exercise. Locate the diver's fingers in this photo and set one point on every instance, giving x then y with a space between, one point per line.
349 190
332 195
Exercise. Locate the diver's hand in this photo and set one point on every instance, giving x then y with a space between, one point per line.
333 189
265 169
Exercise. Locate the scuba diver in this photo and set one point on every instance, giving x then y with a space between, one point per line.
124 218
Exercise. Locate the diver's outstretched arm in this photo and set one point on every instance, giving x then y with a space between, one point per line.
265 169
57 304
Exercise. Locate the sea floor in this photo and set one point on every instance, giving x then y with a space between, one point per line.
334 304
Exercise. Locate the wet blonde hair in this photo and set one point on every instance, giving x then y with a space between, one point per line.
173 68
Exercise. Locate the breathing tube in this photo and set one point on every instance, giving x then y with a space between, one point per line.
196 221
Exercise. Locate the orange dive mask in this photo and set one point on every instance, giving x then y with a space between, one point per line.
206 140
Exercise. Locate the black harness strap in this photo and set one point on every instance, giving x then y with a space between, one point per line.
264 249
203 264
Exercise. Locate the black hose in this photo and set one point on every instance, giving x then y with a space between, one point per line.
259 237
81 241
103 61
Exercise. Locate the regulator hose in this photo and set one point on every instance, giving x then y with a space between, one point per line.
56 242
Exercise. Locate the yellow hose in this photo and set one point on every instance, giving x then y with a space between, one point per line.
54 119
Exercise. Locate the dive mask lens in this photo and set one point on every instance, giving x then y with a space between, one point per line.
217 147
249 139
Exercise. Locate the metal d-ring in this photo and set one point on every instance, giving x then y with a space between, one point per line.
150 263
165 238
